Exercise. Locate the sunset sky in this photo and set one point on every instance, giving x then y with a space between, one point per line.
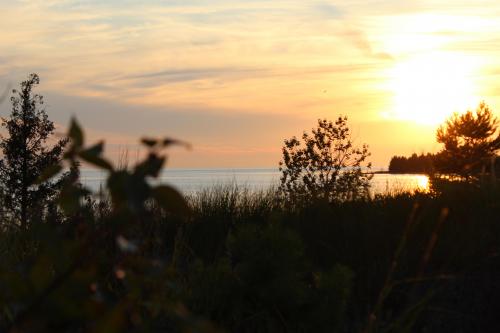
235 78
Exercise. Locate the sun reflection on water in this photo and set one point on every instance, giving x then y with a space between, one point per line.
422 183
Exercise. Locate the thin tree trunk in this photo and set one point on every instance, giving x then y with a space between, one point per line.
24 185
24 196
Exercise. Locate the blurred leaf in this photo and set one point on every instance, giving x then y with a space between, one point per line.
70 197
149 142
151 166
96 149
75 133
48 173
91 155
169 142
40 274
170 199
117 185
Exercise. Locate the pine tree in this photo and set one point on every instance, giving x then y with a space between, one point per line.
26 154
470 141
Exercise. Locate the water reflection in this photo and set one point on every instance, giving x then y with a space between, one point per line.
423 183
193 180
398 183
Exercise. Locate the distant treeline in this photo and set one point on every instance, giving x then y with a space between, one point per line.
432 163
423 163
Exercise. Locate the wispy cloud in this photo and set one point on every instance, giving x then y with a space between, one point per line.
249 58
326 10
192 74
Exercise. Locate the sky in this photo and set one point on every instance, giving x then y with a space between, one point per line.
236 78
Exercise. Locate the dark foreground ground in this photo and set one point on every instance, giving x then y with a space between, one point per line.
240 262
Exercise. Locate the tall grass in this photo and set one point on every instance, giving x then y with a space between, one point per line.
250 262
450 248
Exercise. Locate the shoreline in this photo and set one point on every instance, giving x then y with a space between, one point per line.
394 173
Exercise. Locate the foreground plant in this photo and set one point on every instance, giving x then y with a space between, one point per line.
106 273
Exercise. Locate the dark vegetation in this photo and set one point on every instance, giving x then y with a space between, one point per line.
423 164
25 156
471 142
325 164
142 258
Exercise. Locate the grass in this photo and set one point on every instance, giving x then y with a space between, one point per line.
247 262
450 248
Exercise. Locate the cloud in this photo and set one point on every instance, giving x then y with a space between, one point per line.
193 74
360 40
233 74
326 10
191 66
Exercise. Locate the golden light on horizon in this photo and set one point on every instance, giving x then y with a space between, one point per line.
429 88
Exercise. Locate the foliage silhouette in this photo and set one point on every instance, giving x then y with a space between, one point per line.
470 140
101 271
26 155
265 283
413 164
325 164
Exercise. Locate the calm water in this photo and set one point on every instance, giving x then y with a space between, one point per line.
192 180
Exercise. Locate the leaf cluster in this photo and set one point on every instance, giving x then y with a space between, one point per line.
100 269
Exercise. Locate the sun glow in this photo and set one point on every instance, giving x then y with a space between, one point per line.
423 183
428 88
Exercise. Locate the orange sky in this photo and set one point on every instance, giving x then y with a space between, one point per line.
235 78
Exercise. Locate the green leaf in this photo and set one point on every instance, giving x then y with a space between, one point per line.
170 199
75 133
48 173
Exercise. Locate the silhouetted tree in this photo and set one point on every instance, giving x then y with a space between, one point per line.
26 154
325 164
470 141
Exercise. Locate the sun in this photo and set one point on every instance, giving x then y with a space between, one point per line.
428 88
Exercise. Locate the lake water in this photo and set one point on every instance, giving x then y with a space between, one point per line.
190 181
